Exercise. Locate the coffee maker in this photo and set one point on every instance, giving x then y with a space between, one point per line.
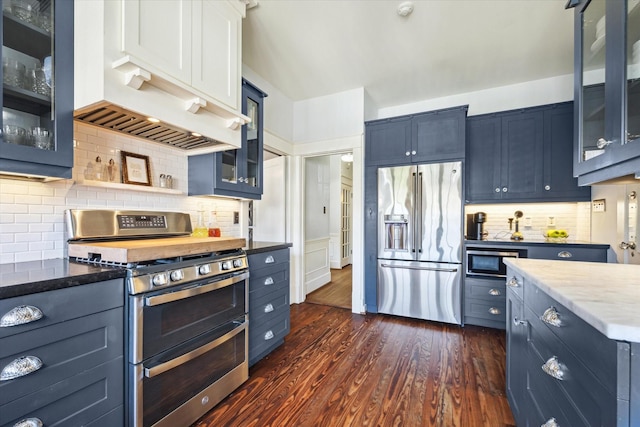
475 225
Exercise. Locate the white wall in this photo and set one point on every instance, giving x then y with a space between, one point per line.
538 92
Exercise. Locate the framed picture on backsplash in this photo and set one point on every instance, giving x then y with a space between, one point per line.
135 169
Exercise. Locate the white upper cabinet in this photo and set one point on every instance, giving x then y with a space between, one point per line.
200 47
159 33
217 40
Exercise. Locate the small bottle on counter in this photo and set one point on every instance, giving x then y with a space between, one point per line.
200 230
214 230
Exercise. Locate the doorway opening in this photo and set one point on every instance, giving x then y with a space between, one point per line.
328 212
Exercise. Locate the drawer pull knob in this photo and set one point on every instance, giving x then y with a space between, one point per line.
268 281
20 367
268 308
553 368
551 422
518 322
513 282
565 254
551 317
269 260
29 422
495 292
494 311
20 315
268 335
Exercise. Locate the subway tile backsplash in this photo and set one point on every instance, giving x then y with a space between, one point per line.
31 213
573 217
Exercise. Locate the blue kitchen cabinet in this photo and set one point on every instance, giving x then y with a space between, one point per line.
37 90
522 156
517 332
606 90
234 173
421 138
371 238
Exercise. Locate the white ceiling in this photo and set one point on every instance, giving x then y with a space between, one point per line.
311 48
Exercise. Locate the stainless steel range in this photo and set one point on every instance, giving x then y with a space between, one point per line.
187 309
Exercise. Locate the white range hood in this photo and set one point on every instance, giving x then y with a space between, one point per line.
128 70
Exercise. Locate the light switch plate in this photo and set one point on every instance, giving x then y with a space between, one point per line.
598 205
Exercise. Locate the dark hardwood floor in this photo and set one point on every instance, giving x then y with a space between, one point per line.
336 293
337 368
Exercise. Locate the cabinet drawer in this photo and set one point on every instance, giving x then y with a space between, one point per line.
265 259
490 290
65 304
263 336
65 349
491 310
87 396
587 344
268 306
567 253
593 403
268 279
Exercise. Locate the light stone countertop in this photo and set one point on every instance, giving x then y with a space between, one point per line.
607 296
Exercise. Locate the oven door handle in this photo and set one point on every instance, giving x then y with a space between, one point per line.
174 363
196 290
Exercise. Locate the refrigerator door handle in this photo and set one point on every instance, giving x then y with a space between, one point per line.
418 216
414 236
446 270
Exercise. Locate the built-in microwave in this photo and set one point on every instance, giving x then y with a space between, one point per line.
489 261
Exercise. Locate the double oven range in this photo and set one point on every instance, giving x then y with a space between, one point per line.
187 323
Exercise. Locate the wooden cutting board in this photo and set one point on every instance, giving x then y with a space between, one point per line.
150 249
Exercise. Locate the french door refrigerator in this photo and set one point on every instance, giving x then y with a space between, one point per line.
420 241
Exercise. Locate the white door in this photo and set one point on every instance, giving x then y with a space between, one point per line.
269 213
346 232
159 33
217 27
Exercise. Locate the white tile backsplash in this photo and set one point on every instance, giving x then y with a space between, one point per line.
573 217
31 213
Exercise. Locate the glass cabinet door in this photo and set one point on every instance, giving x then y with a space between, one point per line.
254 150
593 79
37 87
633 73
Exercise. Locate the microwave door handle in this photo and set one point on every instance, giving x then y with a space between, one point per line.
181 360
196 290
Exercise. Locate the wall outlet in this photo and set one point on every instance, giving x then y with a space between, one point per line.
551 221
598 205
528 222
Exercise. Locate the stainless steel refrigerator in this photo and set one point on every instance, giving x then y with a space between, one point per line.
420 241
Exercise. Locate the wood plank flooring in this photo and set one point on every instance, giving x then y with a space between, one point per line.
336 293
337 368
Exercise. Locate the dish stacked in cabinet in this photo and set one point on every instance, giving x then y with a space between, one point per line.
268 302
62 356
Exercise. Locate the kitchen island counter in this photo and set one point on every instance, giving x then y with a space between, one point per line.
606 296
24 278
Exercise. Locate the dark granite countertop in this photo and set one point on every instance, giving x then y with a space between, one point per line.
536 242
258 247
23 278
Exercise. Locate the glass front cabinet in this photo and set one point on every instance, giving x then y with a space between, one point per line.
607 90
37 88
234 173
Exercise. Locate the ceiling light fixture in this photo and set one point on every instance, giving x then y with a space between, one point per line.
348 158
405 8
153 120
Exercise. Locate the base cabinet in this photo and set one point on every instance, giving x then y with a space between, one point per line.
269 311
484 302
561 370
76 349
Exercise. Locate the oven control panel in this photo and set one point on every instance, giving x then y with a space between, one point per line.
141 221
